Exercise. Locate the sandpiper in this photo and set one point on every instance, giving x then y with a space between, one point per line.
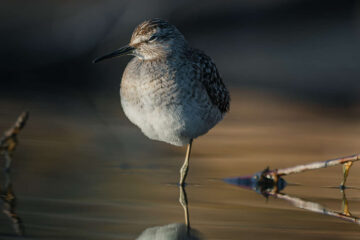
171 91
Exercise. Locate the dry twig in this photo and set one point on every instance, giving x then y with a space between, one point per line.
346 161
8 144
8 197
9 141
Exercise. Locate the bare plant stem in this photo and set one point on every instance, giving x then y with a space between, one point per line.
274 174
9 199
8 141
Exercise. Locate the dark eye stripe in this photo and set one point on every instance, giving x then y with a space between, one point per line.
152 38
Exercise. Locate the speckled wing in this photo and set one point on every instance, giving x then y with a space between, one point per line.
210 78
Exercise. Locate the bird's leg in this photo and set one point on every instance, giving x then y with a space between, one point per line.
185 167
184 203
346 167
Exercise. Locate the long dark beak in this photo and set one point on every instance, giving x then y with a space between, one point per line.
120 52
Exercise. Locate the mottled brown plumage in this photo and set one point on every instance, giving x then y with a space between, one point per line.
211 79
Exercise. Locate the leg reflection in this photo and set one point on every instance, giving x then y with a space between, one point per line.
173 231
184 203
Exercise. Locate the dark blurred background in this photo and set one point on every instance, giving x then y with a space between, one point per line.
304 50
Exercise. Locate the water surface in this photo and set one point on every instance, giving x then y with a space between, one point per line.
82 171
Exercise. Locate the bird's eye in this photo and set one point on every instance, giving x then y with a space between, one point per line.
152 38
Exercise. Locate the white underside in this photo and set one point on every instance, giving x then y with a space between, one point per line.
173 124
165 101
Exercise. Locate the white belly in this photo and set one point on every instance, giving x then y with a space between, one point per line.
166 105
173 124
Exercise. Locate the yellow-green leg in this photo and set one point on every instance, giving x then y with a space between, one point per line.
184 203
346 168
185 167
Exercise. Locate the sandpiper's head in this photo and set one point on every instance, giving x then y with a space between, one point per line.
156 38
150 40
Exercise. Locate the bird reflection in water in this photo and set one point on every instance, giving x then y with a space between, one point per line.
8 144
267 190
173 231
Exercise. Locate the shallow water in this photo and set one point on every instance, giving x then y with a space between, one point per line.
82 171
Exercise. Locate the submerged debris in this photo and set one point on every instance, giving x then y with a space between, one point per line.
259 182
